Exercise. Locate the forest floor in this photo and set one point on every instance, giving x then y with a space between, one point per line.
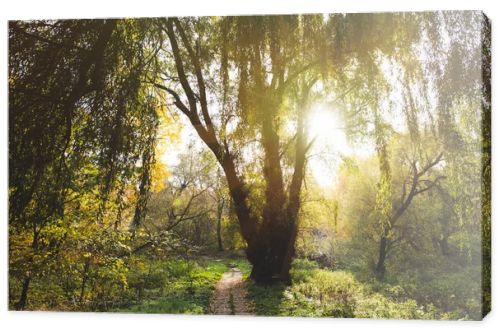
205 285
230 295
221 285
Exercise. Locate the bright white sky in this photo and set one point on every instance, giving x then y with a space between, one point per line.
326 126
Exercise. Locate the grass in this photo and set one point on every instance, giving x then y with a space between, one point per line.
185 287
243 265
268 300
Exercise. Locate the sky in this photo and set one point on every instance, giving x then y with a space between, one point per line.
326 126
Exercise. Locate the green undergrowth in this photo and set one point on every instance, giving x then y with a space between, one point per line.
174 286
316 292
243 265
186 286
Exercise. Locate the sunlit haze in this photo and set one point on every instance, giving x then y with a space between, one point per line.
326 128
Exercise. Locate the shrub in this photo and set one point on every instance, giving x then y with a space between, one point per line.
302 269
332 293
324 293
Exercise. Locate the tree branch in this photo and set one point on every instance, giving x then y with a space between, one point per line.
199 76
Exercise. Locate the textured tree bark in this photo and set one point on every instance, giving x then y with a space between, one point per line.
272 256
272 253
267 252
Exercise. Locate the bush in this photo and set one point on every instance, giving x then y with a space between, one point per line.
323 293
302 268
379 306
332 293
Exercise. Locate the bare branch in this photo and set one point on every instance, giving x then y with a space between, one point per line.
180 66
431 184
177 100
199 76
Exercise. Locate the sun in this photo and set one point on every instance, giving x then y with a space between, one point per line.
325 128
322 122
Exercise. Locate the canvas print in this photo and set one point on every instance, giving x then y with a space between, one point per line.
330 165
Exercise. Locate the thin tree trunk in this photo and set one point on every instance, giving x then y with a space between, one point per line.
81 88
23 299
220 209
382 255
293 207
21 304
85 277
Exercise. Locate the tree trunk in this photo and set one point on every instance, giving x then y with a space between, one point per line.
220 209
21 304
85 277
23 299
267 253
272 253
382 254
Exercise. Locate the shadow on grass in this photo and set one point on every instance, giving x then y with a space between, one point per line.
268 299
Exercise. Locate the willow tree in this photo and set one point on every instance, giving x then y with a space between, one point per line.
239 79
81 123
258 59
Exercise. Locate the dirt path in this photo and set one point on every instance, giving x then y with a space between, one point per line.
230 295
